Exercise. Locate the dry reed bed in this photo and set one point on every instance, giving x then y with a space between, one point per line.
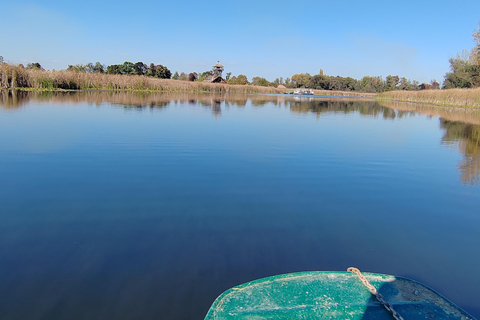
447 97
18 77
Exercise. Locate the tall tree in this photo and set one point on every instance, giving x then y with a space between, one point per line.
391 82
98 68
476 49
127 67
301 79
140 68
192 76
35 66
463 73
258 81
242 79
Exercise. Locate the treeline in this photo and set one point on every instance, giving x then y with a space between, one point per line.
127 68
366 84
464 73
322 82
465 68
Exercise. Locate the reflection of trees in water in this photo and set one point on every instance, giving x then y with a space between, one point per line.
11 99
458 131
367 108
137 100
467 138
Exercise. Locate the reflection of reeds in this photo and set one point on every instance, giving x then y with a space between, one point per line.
16 98
18 77
448 97
466 115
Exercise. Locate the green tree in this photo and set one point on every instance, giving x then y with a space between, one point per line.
371 84
258 81
463 73
34 66
391 82
163 72
465 68
320 81
89 67
127 68
176 76
301 79
278 81
140 68
289 83
242 79
232 80
476 49
114 69
98 68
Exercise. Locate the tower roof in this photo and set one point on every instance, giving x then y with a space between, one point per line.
218 65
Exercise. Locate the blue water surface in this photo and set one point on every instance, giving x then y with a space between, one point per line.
149 210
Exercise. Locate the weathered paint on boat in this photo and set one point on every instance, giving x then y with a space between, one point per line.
331 295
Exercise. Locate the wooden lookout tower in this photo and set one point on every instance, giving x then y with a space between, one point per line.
216 76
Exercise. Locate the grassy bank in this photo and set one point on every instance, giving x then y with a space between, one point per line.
448 97
18 77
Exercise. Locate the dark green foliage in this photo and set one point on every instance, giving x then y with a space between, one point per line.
391 82
139 68
98 68
324 82
163 72
114 69
463 74
34 65
258 81
158 71
205 74
127 68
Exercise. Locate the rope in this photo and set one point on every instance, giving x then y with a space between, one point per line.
376 294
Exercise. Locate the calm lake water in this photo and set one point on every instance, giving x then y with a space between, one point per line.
130 206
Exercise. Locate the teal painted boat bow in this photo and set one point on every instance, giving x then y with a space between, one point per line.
331 295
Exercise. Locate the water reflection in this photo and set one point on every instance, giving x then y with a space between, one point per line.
461 131
466 137
113 214
461 125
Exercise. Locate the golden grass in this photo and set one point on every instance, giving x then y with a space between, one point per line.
18 77
447 97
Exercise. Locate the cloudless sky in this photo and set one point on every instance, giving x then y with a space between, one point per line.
412 39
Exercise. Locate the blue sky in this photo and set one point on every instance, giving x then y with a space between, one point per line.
270 39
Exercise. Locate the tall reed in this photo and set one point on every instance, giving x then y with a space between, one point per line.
447 97
18 77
